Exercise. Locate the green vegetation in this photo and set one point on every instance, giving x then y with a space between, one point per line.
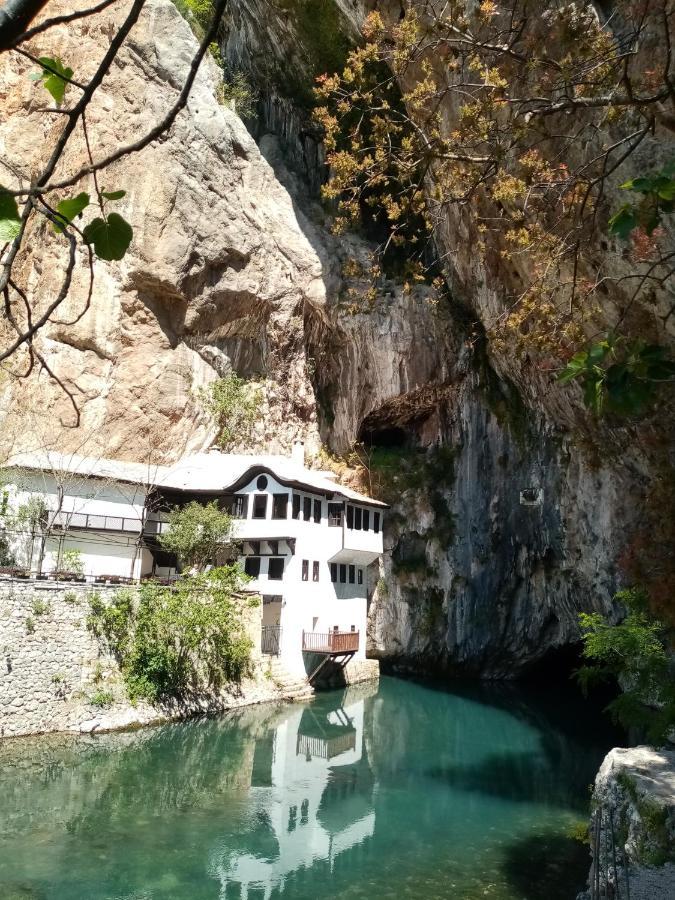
482 122
619 376
40 607
234 404
579 832
30 625
71 562
197 533
173 640
634 652
102 699
237 91
70 597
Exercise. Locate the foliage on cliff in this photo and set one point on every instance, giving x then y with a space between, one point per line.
234 405
174 640
504 115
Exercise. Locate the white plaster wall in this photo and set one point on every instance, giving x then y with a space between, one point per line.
309 605
102 553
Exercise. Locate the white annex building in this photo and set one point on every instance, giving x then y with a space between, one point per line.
306 541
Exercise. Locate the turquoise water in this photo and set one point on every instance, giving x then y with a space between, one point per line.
396 791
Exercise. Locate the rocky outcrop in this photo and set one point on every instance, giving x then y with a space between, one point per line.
509 511
219 274
633 826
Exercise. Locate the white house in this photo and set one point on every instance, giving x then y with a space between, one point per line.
306 541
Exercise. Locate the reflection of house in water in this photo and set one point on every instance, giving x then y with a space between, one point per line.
310 800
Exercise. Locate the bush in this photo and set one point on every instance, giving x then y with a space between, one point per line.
102 699
71 562
635 653
40 607
234 404
180 638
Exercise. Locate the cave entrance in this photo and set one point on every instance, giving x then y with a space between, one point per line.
390 436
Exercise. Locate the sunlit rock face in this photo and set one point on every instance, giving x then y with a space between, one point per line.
493 545
219 273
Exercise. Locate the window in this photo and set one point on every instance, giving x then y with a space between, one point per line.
350 517
315 571
260 506
343 573
360 576
296 506
307 508
357 517
252 566
335 511
366 520
276 568
317 510
376 522
305 570
333 572
240 506
280 506
261 483
352 574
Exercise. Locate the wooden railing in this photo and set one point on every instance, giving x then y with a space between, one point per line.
332 642
325 748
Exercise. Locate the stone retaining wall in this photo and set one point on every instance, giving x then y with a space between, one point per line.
54 675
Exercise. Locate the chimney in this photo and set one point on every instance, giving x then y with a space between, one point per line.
298 453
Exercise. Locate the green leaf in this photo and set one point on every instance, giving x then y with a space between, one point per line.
113 195
10 221
623 221
666 191
111 237
574 367
55 81
70 208
643 185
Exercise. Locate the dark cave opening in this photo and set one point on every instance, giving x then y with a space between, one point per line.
390 437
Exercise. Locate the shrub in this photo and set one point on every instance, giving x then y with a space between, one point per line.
178 638
30 625
70 597
40 607
635 653
102 699
234 404
71 561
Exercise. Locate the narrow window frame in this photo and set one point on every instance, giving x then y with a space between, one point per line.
259 505
315 570
305 570
280 505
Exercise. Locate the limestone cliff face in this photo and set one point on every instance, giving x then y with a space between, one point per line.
506 522
219 274
496 544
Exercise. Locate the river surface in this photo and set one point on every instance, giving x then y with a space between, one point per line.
397 791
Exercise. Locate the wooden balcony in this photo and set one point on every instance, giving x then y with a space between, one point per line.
332 643
325 748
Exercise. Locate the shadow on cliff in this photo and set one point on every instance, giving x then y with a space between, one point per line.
543 867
